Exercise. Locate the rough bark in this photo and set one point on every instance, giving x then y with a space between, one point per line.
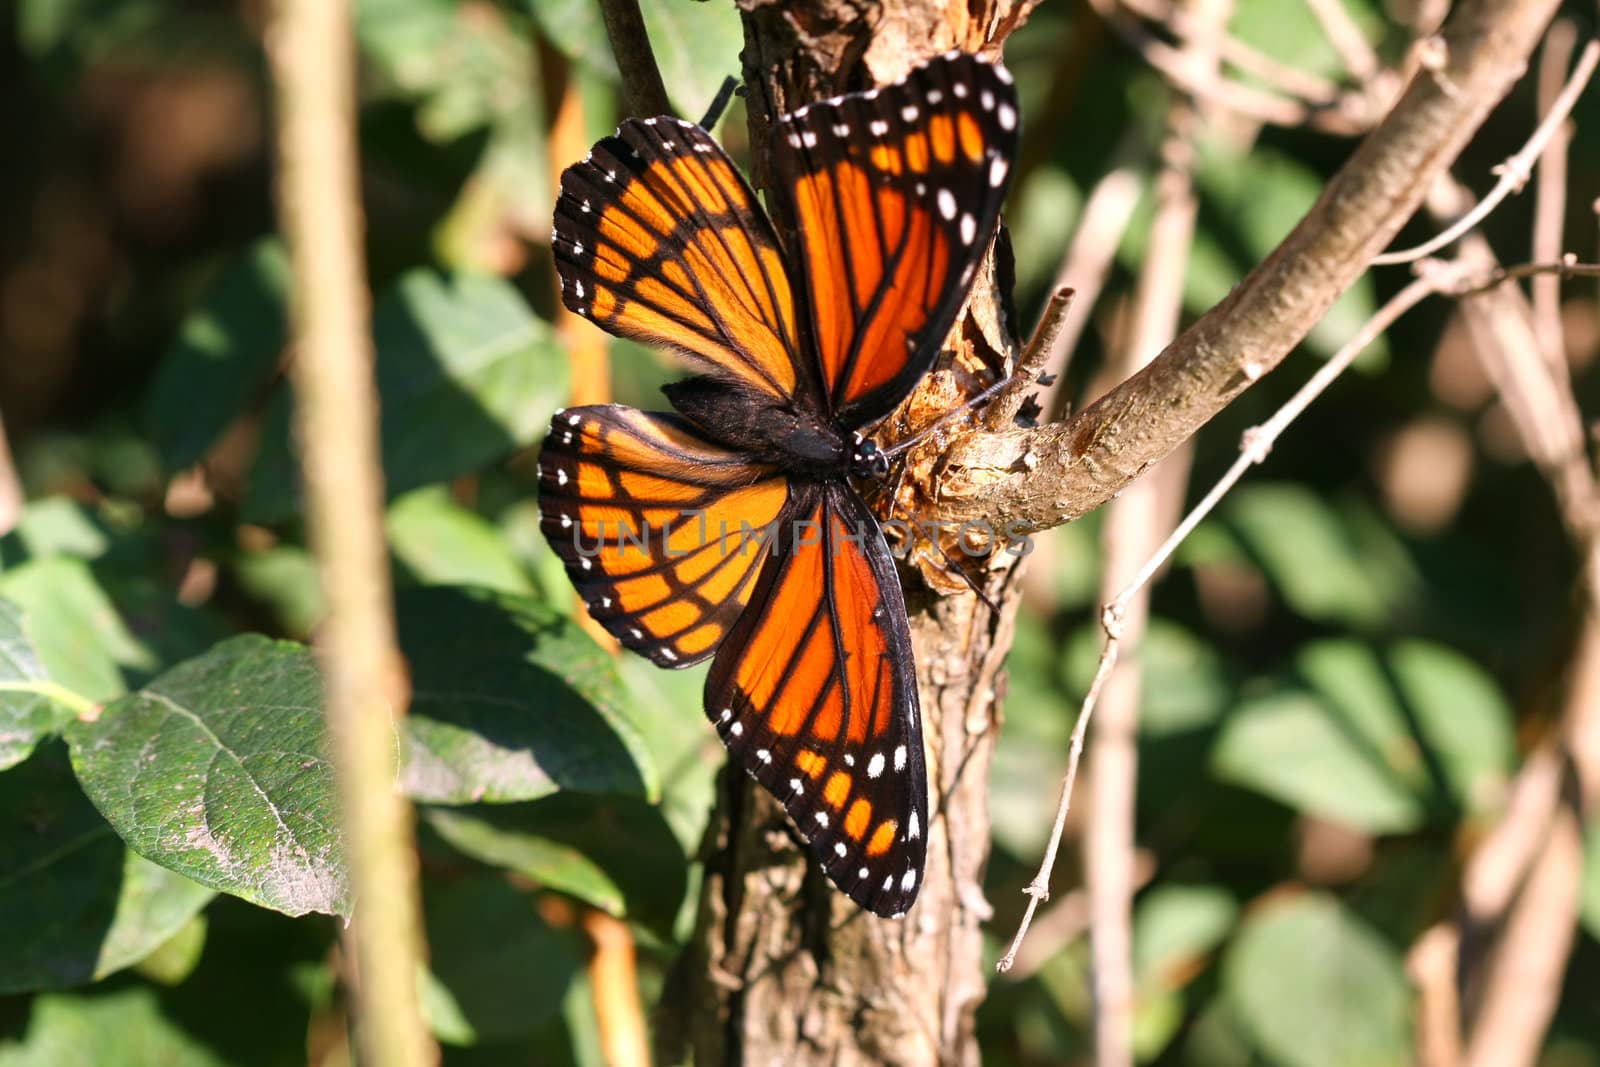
783 969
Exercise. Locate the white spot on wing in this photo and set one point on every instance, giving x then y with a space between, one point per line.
839 849
909 113
875 765
669 655
909 882
947 204
862 873
1008 117
935 95
960 89
986 98
727 713
841 129
736 729
566 522
914 828
822 818
997 171
561 477
764 756
849 760
900 757
888 883
794 783
878 127
577 286
969 229
794 140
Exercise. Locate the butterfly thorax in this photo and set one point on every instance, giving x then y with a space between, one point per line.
790 436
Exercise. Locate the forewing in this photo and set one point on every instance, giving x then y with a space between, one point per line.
814 692
658 238
893 196
662 532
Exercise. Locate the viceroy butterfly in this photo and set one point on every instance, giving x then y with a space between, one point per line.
738 533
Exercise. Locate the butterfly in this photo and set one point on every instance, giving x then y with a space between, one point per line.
729 529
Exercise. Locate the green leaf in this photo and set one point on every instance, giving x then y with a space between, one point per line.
1316 987
284 578
1293 747
578 31
1313 557
29 709
441 543
697 46
498 971
227 350
512 701
465 372
1463 718
175 959
1173 927
81 640
54 526
127 1027
218 770
77 904
616 854
1590 901
1380 742
1184 687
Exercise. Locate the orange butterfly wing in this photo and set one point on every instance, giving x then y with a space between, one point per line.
662 532
815 693
893 196
659 238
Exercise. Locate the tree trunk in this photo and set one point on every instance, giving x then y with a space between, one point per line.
783 968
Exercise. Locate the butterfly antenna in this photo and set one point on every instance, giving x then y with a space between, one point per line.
719 103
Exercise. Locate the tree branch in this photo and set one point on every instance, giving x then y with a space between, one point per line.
1047 476
337 414
642 90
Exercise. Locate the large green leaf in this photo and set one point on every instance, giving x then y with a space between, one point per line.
29 712
1173 927
218 770
80 638
1325 567
225 353
126 1027
511 701
54 526
78 905
439 542
465 374
1381 741
1293 747
1317 987
615 853
498 970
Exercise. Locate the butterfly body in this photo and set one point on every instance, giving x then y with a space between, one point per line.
729 530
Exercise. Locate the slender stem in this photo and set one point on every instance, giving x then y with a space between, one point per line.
80 705
312 55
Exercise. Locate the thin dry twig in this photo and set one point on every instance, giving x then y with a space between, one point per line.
1514 172
1550 195
1343 113
1087 264
1346 37
312 54
1257 443
1031 363
642 89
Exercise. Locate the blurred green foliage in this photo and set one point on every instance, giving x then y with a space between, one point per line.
1343 668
